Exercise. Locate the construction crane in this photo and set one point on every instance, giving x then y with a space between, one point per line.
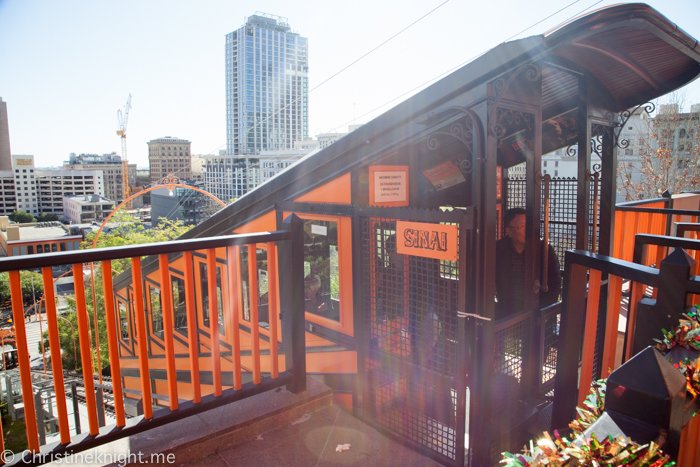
122 120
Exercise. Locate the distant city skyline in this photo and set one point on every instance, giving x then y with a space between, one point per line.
69 66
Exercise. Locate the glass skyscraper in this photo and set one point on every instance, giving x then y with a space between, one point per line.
266 86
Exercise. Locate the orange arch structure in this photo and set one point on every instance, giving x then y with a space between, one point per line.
170 183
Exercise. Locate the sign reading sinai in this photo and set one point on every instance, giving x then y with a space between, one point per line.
427 240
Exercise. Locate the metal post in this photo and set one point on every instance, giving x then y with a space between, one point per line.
461 379
100 406
10 397
672 300
292 302
569 343
608 192
40 417
76 408
584 165
359 291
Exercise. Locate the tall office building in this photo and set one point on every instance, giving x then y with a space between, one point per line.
5 157
267 105
266 86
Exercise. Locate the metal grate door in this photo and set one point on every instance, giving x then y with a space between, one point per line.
410 308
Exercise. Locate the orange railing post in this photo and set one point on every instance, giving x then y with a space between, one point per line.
234 277
55 348
142 337
112 341
214 321
272 306
589 335
612 319
254 321
25 371
167 298
192 327
85 351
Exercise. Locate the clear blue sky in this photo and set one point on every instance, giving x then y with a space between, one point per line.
67 66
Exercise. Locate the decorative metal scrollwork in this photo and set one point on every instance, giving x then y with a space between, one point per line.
597 145
572 150
169 180
593 174
508 117
498 86
598 133
532 73
515 117
465 131
647 107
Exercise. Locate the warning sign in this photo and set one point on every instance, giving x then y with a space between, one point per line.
388 185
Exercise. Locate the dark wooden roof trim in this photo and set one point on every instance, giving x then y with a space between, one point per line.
621 59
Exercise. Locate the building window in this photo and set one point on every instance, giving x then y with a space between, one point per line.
123 320
204 293
179 303
156 311
321 278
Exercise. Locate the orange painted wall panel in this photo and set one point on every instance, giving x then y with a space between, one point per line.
337 192
264 223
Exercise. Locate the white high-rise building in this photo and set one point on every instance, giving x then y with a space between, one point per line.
267 85
267 106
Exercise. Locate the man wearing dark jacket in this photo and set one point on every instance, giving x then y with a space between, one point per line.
510 268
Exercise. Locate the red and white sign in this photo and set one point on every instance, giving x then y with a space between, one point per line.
444 175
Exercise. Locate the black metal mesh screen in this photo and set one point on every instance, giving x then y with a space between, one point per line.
509 339
562 237
411 301
418 409
550 340
562 211
410 308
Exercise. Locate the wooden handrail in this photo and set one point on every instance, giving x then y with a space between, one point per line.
119 252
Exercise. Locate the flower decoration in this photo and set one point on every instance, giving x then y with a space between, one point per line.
691 370
686 334
582 451
585 451
595 403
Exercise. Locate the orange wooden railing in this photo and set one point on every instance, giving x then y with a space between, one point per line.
629 221
588 278
157 264
654 217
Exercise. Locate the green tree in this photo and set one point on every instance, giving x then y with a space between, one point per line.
664 154
32 288
47 217
21 217
128 231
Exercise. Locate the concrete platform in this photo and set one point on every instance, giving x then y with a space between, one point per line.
269 429
313 442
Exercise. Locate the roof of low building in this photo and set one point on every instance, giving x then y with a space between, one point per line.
29 233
